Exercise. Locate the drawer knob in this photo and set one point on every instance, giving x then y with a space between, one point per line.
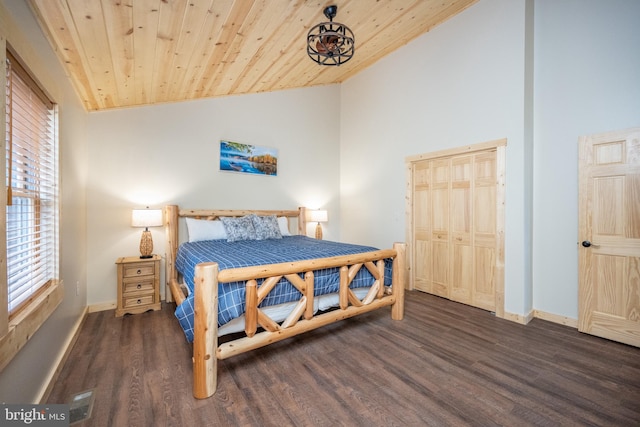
139 286
139 271
139 301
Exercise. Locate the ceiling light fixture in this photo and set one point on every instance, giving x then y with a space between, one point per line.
330 43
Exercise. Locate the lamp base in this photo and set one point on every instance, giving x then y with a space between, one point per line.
319 232
146 244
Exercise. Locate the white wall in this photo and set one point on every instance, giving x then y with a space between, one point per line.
168 154
24 379
587 80
462 83
539 73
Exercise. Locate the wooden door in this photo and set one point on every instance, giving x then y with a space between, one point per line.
609 230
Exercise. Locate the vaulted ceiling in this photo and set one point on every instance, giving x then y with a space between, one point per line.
121 53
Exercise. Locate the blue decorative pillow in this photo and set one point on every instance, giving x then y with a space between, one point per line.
239 228
266 227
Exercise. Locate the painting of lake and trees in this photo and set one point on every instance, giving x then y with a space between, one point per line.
246 158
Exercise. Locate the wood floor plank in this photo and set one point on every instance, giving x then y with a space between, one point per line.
445 364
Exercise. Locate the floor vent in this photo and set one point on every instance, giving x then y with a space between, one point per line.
80 406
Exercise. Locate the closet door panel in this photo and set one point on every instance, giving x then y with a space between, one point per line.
485 181
440 196
422 266
485 210
462 273
440 216
484 293
422 226
440 268
461 212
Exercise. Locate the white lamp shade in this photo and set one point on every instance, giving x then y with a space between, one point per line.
146 217
318 216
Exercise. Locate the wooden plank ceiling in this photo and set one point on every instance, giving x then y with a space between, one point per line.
122 53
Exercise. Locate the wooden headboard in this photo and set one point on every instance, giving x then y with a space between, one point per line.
172 215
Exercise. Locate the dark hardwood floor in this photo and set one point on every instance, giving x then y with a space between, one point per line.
444 364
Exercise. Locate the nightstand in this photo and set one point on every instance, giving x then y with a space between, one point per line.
138 285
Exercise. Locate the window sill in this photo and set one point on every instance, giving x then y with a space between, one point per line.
28 321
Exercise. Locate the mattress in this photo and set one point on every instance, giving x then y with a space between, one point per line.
245 253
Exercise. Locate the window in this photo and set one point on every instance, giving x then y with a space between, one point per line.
32 188
29 248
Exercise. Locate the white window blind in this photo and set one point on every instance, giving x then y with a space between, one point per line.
32 187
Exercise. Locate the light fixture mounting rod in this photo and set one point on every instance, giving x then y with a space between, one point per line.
330 12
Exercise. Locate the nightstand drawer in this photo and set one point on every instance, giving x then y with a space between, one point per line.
141 300
136 284
137 270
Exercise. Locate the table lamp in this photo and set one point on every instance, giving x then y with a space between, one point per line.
318 216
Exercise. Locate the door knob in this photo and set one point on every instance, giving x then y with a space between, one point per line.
587 244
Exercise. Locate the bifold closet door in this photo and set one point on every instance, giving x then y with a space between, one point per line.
473 219
454 217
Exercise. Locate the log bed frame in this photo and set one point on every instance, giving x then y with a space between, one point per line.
207 350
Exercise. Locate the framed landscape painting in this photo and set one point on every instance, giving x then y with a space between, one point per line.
247 158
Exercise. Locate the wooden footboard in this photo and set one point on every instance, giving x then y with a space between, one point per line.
206 350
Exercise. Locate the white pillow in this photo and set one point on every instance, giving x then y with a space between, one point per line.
202 229
283 223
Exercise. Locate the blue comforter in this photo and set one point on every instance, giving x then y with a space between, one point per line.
231 296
